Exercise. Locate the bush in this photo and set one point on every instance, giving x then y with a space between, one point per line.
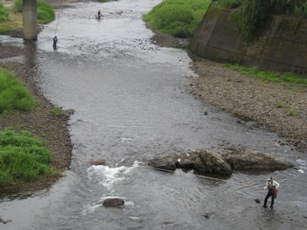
4 15
253 13
13 95
179 18
45 12
22 157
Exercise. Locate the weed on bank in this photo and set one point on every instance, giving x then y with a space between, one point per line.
13 95
179 18
23 157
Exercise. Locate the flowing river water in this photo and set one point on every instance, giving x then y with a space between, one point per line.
130 105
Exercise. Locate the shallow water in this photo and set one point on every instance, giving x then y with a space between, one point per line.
130 105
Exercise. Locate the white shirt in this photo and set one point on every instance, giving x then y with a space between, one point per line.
271 184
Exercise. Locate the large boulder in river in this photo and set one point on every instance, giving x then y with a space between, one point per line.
208 162
202 162
256 161
167 163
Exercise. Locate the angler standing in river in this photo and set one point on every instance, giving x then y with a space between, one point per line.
271 186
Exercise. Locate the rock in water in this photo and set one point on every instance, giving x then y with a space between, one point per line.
113 203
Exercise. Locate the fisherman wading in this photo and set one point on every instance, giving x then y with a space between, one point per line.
271 186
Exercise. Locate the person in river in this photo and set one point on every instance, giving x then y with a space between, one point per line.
98 14
55 40
271 185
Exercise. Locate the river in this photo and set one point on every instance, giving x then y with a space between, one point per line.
131 105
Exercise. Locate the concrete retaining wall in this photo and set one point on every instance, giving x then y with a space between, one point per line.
282 46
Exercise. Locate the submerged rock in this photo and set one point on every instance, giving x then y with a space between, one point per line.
4 221
98 162
113 203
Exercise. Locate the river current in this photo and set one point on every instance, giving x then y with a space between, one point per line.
131 105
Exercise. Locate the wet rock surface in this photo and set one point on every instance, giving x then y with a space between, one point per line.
207 162
113 203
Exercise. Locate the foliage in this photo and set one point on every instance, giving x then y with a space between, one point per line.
252 13
179 18
270 76
228 4
58 111
4 14
18 5
13 95
23 157
45 12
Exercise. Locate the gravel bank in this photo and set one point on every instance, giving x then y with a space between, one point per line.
280 108
249 98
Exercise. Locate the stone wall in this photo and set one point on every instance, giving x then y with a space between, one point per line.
282 46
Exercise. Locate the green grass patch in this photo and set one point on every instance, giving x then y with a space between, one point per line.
179 18
13 95
23 157
270 76
280 105
58 111
45 12
4 14
292 112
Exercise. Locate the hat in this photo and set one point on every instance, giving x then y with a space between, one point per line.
270 178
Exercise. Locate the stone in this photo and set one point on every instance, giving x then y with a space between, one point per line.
113 203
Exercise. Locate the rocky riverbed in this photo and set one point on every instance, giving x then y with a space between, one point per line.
246 97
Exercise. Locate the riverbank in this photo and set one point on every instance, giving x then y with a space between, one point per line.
277 107
250 99
281 108
51 127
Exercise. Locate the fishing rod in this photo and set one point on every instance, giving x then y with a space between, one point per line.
214 178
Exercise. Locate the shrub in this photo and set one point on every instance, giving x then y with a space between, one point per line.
252 13
23 157
4 15
13 95
45 12
179 18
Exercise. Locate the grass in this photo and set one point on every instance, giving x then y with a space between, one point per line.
23 157
14 20
45 12
58 111
287 78
287 109
280 105
4 14
13 95
179 18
